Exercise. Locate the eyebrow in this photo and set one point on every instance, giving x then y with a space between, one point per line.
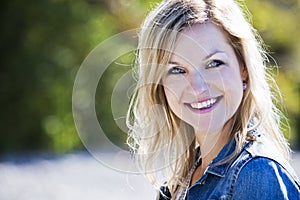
205 58
173 63
213 53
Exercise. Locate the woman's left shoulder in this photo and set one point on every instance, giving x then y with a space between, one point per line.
264 153
265 178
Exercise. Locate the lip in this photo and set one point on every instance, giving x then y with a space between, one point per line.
204 110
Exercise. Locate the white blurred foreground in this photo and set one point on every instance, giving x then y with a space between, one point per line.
74 177
71 177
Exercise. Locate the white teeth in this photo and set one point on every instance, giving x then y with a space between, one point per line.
204 104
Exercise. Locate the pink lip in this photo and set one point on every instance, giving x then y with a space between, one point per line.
204 110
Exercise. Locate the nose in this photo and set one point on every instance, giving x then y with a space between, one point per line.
198 83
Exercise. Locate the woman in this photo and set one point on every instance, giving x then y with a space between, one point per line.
202 121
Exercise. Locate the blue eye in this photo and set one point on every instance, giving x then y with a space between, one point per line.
214 63
176 70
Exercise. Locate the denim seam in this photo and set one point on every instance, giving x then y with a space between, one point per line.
238 166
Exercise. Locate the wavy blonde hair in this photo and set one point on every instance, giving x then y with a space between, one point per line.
163 143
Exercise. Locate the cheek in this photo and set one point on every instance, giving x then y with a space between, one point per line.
233 92
229 83
174 90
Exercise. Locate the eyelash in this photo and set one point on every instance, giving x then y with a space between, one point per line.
214 63
176 70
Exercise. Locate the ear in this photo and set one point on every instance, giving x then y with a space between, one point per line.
244 73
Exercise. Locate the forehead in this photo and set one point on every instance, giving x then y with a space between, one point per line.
201 38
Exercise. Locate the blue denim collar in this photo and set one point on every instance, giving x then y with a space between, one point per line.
221 169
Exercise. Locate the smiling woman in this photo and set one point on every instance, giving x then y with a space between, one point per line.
216 131
209 79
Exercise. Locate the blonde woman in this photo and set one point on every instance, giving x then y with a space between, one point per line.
202 121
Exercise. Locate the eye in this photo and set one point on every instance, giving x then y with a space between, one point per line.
176 70
214 63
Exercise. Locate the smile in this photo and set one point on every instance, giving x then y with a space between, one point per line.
204 105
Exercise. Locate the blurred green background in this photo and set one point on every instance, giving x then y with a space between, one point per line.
43 44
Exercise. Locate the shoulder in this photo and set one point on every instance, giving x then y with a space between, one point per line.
263 150
265 178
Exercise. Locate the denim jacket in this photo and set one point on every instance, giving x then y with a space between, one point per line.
256 173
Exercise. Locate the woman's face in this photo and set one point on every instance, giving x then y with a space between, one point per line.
203 79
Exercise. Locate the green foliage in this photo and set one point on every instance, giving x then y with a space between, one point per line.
44 42
278 22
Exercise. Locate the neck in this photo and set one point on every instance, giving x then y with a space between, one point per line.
212 143
210 146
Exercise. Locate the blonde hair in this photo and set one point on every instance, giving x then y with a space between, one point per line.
164 143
